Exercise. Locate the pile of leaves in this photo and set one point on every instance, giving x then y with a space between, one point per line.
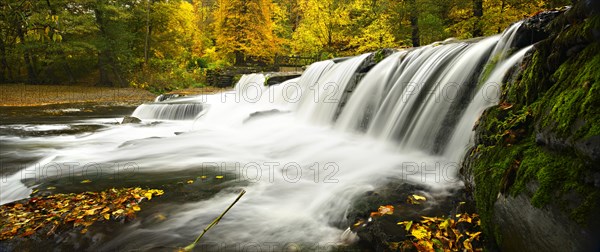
76 210
453 233
457 233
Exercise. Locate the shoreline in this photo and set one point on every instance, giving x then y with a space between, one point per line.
26 95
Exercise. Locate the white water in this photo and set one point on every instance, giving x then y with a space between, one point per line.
168 111
300 170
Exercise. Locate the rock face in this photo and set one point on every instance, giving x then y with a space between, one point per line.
534 169
130 119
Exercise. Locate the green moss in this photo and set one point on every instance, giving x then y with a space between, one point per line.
562 103
379 56
575 96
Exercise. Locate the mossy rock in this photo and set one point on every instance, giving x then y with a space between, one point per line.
542 142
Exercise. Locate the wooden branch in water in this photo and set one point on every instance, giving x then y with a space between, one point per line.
213 223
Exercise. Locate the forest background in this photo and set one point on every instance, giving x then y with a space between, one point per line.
163 45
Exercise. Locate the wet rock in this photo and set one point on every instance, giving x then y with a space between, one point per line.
515 217
279 77
535 29
164 97
130 119
590 147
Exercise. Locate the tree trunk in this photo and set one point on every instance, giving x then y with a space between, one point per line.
239 57
148 31
103 79
414 24
4 69
107 65
477 14
31 76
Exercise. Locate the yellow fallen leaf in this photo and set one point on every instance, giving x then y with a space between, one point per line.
50 187
219 177
157 192
86 181
419 197
203 177
136 208
467 245
190 181
84 231
148 195
474 235
407 224
420 233
445 224
106 216
90 212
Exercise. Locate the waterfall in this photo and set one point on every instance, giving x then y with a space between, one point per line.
301 162
168 111
488 95
321 98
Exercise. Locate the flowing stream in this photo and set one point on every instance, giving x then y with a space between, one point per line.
409 119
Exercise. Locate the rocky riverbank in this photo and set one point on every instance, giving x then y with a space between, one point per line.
533 169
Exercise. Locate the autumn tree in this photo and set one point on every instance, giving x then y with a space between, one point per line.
322 27
244 29
371 28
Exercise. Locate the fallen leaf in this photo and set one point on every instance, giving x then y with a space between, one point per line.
86 181
419 197
387 209
358 223
445 224
190 181
505 106
219 177
420 232
136 208
407 224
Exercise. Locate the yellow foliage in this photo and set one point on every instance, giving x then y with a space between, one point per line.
245 27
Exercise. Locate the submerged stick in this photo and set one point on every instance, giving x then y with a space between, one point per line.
191 246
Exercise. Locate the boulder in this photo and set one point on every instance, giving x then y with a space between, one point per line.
130 119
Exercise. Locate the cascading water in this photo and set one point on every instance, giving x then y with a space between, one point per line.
300 170
168 111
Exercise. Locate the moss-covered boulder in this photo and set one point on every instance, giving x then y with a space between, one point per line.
534 169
